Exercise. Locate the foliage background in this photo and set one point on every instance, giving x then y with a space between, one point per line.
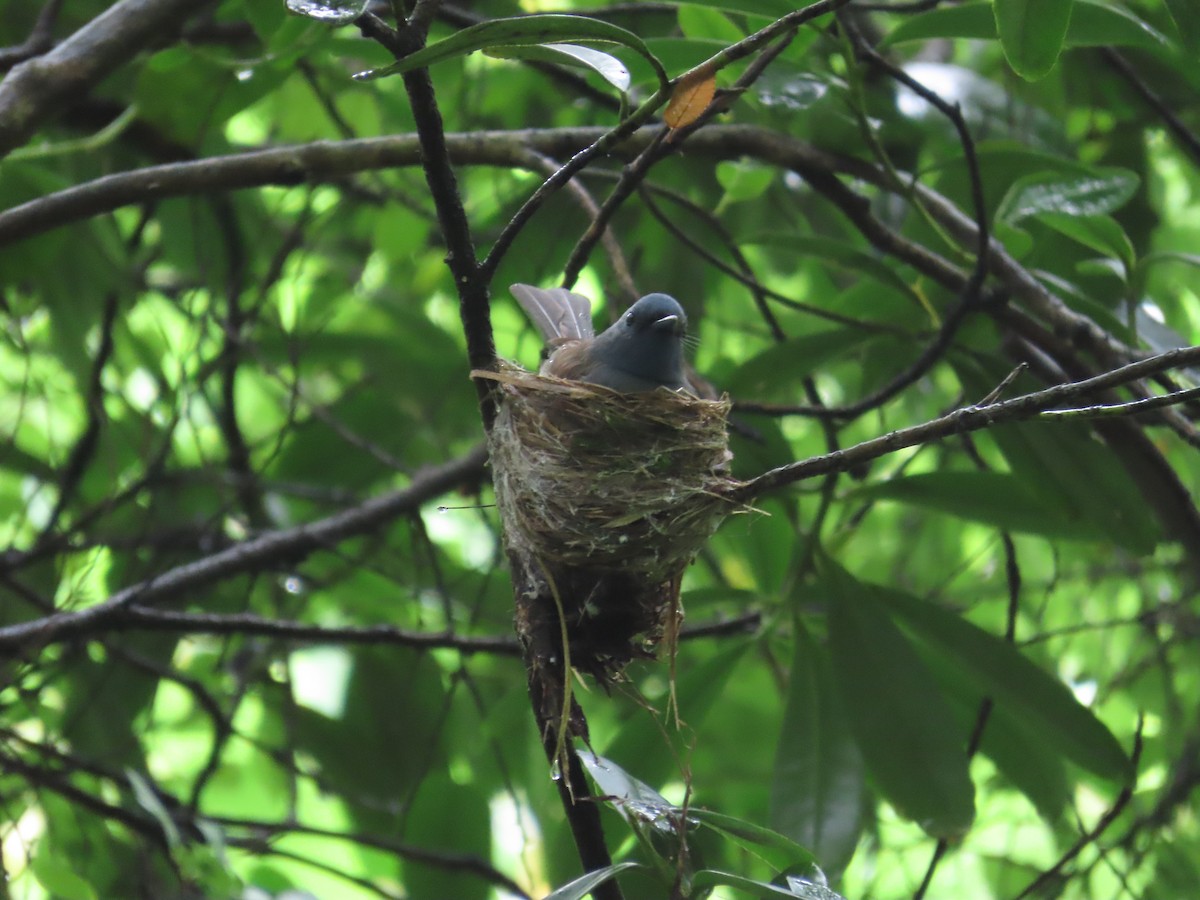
201 696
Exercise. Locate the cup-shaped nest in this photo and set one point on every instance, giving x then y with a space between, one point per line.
589 477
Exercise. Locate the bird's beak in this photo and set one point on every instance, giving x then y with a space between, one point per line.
668 323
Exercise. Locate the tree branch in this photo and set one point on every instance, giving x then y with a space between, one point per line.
36 89
470 282
40 39
970 418
273 548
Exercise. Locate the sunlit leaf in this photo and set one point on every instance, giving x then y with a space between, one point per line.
709 878
781 852
638 797
605 65
522 30
788 90
333 12
1099 193
584 885
660 826
60 882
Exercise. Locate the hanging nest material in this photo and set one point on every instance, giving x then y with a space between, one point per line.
605 499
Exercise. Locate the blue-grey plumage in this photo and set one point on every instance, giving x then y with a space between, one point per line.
642 351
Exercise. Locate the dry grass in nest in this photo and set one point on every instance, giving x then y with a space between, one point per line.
589 477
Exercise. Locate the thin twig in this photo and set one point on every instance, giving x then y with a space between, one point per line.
1090 837
254 555
1184 135
970 418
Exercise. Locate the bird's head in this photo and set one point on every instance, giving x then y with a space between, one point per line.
647 341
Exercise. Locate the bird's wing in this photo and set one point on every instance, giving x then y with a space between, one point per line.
557 312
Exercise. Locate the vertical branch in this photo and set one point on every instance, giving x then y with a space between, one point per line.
470 282
237 450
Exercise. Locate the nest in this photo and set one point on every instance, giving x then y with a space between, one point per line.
606 497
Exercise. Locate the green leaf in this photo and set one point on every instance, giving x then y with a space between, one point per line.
779 851
776 370
910 741
1001 672
1091 24
616 782
660 826
362 753
522 30
1177 871
1099 193
797 889
446 814
148 799
607 66
1186 15
1101 268
743 180
835 253
59 881
974 21
817 788
1100 233
786 88
1036 769
332 12
1188 259
992 498
1032 33
585 884
1096 24
706 23
1063 463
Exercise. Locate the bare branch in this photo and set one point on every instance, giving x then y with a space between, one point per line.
970 418
36 89
275 547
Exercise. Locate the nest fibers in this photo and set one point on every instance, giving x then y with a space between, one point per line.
609 495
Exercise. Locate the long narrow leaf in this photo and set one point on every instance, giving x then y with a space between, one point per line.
817 789
520 30
605 65
582 886
999 669
909 738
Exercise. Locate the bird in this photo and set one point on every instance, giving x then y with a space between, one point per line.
641 351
